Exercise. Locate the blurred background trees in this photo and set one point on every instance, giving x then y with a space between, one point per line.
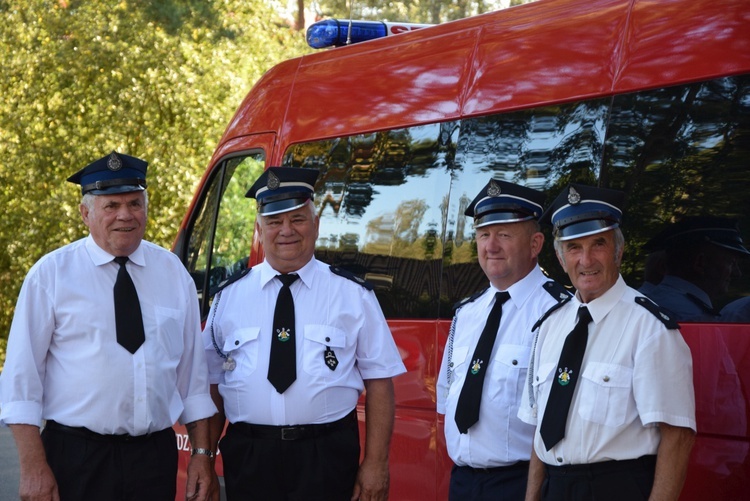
157 80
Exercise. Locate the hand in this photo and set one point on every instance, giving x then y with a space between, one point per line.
37 483
202 483
373 480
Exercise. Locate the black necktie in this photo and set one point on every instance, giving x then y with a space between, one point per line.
282 365
568 373
128 317
467 411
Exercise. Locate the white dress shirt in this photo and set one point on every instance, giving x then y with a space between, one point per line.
330 312
635 373
499 438
64 362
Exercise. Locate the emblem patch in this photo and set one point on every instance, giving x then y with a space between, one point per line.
273 181
564 376
330 358
284 335
114 163
476 366
494 189
573 196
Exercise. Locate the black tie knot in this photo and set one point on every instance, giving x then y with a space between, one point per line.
287 280
502 297
584 315
121 260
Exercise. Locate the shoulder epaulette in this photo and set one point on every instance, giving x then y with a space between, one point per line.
659 312
351 276
229 281
560 294
469 299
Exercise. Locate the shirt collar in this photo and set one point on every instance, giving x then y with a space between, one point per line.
99 256
522 290
601 306
306 273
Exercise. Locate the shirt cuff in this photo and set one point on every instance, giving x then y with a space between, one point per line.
21 413
197 407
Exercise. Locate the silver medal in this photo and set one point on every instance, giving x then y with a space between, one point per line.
229 364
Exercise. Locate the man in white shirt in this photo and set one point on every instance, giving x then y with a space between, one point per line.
105 353
490 447
611 389
291 345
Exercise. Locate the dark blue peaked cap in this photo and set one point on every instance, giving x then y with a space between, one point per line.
582 210
115 173
503 202
721 231
283 189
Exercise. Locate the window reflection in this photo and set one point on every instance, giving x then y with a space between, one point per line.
392 202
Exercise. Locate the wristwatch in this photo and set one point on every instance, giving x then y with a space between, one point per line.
204 452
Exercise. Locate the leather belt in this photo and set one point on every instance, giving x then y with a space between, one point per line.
297 432
519 465
92 435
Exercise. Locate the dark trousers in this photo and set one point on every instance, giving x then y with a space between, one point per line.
92 467
505 483
261 466
629 480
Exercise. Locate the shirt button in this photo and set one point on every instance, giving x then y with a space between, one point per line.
328 339
236 342
606 379
537 378
559 460
515 362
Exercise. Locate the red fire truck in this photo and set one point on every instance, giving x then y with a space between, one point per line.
651 97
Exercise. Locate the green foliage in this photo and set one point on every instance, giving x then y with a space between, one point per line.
157 80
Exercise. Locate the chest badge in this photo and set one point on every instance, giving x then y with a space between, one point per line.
284 335
564 376
476 366
330 358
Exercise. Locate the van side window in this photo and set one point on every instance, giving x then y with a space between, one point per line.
221 235
392 202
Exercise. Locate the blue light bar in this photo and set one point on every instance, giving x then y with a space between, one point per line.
335 32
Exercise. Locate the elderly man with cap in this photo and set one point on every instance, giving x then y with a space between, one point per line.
701 254
105 346
291 344
489 346
611 384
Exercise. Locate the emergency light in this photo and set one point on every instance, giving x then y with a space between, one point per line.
335 32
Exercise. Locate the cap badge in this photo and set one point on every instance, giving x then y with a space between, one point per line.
273 182
573 196
114 163
494 189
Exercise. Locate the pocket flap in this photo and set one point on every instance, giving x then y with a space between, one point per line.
326 335
513 355
239 337
613 375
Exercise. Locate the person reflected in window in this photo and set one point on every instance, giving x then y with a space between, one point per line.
702 254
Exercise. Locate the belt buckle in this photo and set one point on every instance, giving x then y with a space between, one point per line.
290 433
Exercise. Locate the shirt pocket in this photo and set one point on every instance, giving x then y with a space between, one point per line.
605 394
508 375
242 346
324 352
169 327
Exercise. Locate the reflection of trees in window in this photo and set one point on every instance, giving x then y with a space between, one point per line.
680 151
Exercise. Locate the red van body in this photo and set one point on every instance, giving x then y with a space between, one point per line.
534 63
